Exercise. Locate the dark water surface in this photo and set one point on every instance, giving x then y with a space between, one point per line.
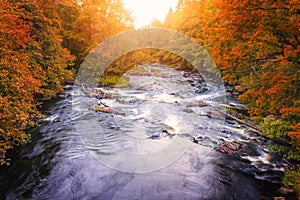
67 162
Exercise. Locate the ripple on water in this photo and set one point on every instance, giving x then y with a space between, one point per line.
62 163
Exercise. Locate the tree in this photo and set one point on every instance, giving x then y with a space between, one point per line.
88 24
32 61
36 40
17 80
256 45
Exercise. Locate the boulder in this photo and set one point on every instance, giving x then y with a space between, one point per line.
285 190
230 148
101 108
215 115
99 94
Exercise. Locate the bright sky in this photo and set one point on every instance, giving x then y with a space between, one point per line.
147 10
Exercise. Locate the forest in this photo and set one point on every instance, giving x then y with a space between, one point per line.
255 44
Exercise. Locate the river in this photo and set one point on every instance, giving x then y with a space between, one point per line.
158 143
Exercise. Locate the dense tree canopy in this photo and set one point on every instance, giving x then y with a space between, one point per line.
256 44
40 42
32 64
88 24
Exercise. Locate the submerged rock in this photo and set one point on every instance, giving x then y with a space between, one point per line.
201 104
188 110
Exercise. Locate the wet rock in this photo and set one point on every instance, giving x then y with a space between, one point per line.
99 94
61 95
68 82
195 140
238 106
233 91
239 109
102 103
279 198
238 116
201 90
67 87
188 110
186 74
228 94
285 190
198 104
165 131
230 148
154 137
236 94
101 108
201 104
128 100
204 141
215 115
238 149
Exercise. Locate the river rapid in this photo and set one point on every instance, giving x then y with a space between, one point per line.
159 142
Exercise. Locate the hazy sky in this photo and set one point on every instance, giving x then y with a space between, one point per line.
147 10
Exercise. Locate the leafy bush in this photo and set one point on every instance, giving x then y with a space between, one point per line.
292 179
272 127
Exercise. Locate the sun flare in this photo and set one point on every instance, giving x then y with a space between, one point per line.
145 11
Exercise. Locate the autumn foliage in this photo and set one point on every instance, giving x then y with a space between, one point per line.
32 63
18 81
256 44
40 42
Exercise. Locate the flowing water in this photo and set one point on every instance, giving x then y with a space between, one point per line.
158 143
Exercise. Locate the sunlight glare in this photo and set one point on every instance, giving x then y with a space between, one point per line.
145 11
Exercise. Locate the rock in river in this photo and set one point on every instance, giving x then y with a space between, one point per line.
99 94
231 148
101 108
